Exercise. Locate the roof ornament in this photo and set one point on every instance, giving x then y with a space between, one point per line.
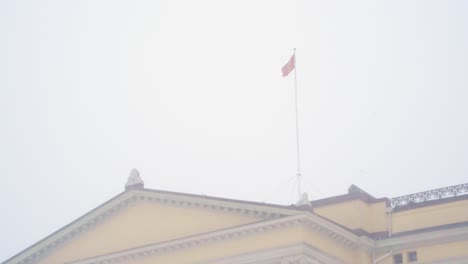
134 181
304 200
436 194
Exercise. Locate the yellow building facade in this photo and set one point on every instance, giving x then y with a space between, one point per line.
145 226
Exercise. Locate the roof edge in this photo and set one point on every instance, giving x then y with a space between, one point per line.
69 225
349 197
306 219
82 223
411 206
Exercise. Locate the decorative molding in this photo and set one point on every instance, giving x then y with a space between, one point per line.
34 253
424 239
275 218
37 251
297 253
307 220
210 203
435 194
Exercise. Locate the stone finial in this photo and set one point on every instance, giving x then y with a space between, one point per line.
304 200
134 181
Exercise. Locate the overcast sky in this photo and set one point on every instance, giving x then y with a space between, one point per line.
190 93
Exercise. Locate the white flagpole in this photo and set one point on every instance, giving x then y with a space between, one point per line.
297 129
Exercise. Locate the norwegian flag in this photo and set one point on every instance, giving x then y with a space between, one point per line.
289 67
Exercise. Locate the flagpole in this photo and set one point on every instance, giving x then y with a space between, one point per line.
297 129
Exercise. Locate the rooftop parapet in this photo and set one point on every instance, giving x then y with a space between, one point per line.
436 194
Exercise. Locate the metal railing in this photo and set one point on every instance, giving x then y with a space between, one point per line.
436 194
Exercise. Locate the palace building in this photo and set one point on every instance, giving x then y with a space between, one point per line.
146 226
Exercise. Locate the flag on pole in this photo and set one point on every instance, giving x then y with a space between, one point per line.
289 66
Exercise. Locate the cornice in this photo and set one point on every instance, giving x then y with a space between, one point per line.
263 211
300 253
274 217
400 243
77 227
338 233
307 220
43 247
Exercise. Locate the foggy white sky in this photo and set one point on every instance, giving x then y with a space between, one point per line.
190 93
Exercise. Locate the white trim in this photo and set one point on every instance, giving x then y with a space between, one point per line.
32 254
236 207
307 220
422 239
35 252
288 254
276 217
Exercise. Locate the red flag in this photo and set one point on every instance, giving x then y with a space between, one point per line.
289 66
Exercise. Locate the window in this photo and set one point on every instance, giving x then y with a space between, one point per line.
412 256
398 259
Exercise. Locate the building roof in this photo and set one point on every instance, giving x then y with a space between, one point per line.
265 211
354 193
261 210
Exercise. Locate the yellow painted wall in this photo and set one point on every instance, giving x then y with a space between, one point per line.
428 216
356 214
142 223
221 249
439 252
443 251
377 217
256 242
332 247
362 257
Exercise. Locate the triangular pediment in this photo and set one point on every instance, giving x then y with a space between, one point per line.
242 244
141 217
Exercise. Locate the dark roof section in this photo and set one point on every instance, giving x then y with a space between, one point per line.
354 189
411 206
354 193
